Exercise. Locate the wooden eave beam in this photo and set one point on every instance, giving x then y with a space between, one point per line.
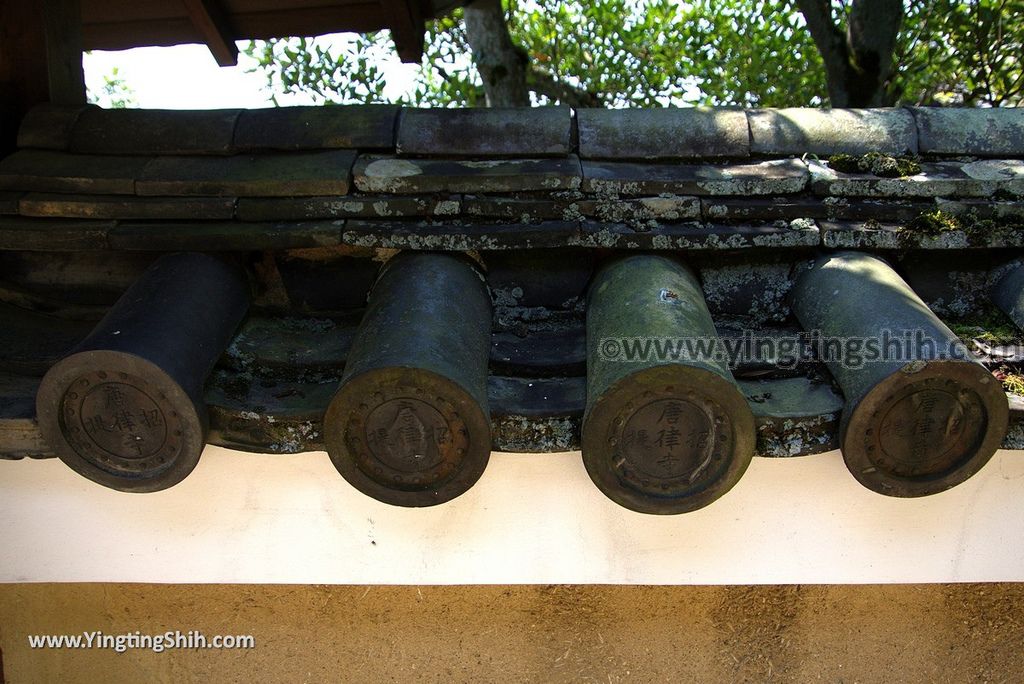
405 18
40 59
211 21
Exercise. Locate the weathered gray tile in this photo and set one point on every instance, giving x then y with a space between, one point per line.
267 344
380 174
351 206
126 207
668 133
538 434
557 352
861 234
366 127
521 209
266 175
875 235
289 419
983 235
879 209
800 130
761 208
515 286
937 179
981 209
795 416
49 126
871 235
952 283
774 208
154 131
422 235
990 132
576 208
536 415
700 236
504 132
754 289
21 437
225 235
775 177
641 210
37 234
45 171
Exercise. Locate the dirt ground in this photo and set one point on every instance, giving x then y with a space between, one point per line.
527 633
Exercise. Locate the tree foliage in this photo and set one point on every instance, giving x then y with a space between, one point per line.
115 92
963 53
658 52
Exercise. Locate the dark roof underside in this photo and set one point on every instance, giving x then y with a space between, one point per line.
122 24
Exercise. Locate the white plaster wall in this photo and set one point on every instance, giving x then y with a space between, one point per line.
530 519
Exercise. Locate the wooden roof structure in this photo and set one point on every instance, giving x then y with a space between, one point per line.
121 24
41 42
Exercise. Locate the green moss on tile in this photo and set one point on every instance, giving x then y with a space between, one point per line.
876 163
990 325
934 223
937 222
844 163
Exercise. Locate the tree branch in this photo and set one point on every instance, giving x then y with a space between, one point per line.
543 83
831 44
859 62
871 34
502 65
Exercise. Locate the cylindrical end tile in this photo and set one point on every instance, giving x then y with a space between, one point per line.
921 416
125 407
409 425
661 434
121 421
407 436
668 439
925 429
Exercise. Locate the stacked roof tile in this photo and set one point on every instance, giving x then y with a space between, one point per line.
381 175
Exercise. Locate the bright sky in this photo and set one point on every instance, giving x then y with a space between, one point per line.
187 77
